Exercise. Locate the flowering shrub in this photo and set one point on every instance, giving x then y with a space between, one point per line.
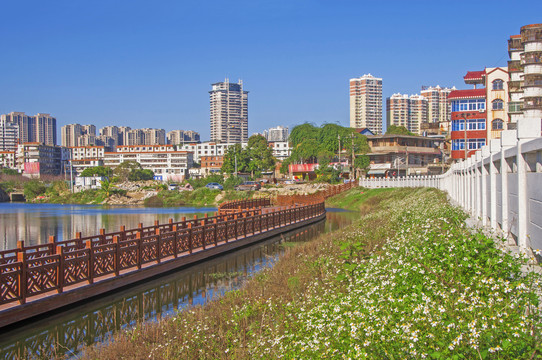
434 290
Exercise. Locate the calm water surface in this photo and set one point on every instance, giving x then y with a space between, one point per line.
34 223
67 332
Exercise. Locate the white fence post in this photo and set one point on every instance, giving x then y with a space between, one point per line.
494 148
508 140
528 128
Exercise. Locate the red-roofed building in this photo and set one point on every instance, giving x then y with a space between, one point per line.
478 114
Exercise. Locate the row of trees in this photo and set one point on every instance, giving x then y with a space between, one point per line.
256 158
312 144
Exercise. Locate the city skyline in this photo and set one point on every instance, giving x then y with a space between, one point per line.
160 70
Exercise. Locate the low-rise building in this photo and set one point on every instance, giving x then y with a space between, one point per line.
38 159
86 156
211 164
281 149
8 159
209 148
404 154
166 162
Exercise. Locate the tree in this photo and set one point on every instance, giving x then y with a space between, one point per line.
303 132
96 171
106 187
260 154
141 174
362 162
398 130
125 168
232 154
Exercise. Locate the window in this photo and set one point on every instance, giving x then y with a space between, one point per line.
497 84
497 124
497 104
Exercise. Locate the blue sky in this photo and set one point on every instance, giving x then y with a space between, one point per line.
151 63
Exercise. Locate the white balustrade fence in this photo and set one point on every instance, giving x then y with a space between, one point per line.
501 184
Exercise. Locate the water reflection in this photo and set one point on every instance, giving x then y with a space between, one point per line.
67 332
34 223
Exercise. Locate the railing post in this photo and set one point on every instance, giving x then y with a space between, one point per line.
170 221
203 226
21 257
123 232
528 128
494 148
52 247
508 140
102 236
235 225
116 263
226 221
175 240
60 269
158 245
90 261
189 226
215 235
139 239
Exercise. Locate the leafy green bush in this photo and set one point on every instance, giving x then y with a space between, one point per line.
34 188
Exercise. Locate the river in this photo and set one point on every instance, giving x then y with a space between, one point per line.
67 332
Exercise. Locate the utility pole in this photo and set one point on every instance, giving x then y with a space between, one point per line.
352 175
236 165
340 166
71 176
406 149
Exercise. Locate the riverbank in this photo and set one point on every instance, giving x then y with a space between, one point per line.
408 280
148 193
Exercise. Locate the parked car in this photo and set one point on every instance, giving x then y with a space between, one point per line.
172 186
248 185
214 186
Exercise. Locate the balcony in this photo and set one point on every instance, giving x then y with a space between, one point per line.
514 86
514 44
532 104
514 66
533 34
531 80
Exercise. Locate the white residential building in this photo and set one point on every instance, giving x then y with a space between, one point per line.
166 163
229 112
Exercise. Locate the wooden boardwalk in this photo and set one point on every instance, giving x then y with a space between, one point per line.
41 278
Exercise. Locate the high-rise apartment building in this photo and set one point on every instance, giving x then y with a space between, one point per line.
176 137
417 113
69 134
438 107
279 133
229 112
39 128
154 137
89 129
110 132
407 111
366 103
123 130
397 110
525 85
9 135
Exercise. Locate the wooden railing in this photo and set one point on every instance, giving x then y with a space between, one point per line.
234 206
33 270
319 196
